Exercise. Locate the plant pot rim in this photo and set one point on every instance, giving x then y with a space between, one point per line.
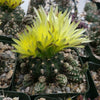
5 39
14 92
95 55
92 93
91 56
93 66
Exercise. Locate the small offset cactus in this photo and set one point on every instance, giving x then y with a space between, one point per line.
61 79
39 87
72 61
73 70
27 21
11 28
27 77
27 80
42 79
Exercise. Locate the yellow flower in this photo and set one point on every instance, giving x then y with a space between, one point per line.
2 2
50 34
11 3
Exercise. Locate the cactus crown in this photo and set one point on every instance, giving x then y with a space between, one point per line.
50 34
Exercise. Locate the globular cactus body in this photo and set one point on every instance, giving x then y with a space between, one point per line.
63 4
11 28
90 6
48 67
94 34
27 80
92 17
73 70
39 87
61 79
17 15
14 16
92 12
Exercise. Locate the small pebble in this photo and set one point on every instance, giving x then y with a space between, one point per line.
48 91
27 89
68 89
42 99
9 74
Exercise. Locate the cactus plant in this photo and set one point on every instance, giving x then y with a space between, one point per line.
11 20
27 20
42 48
14 15
90 6
92 12
61 79
92 17
17 15
36 4
39 87
63 4
11 12
73 70
95 36
42 79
